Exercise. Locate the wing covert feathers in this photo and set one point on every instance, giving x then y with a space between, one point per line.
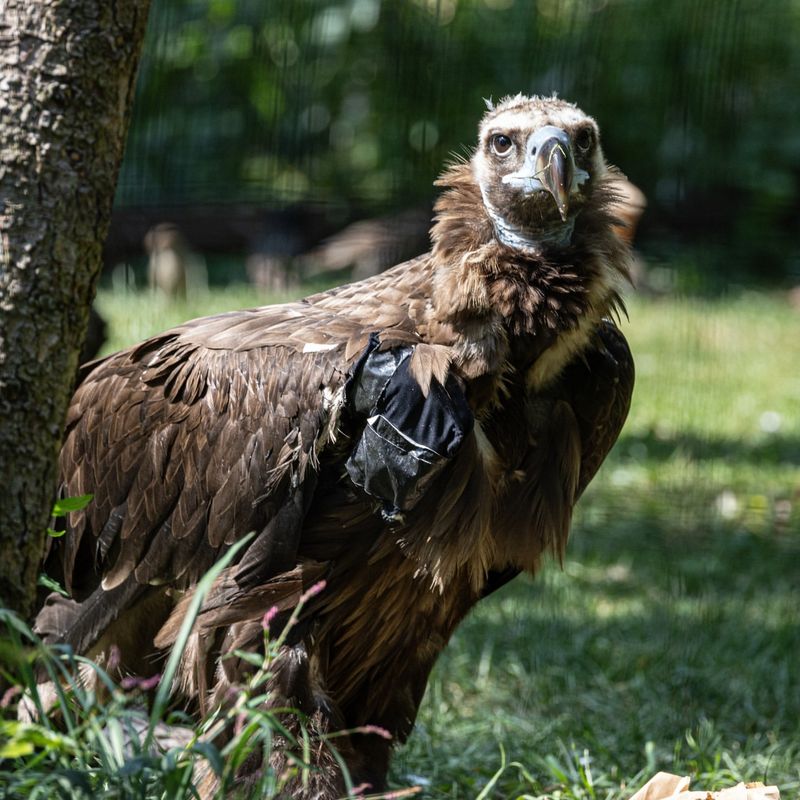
187 448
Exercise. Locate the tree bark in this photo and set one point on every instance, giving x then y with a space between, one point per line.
67 75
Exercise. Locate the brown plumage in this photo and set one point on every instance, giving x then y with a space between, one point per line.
240 422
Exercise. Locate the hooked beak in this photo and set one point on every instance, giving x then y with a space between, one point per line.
553 167
549 166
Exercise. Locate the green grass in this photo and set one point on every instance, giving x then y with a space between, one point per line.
86 736
671 638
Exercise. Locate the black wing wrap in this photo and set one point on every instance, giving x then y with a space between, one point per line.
408 437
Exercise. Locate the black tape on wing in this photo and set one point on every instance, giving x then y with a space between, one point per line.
408 438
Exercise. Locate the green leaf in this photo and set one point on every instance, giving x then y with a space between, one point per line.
23 738
211 754
116 739
15 749
13 622
256 659
74 779
161 699
136 765
66 504
52 585
55 534
486 791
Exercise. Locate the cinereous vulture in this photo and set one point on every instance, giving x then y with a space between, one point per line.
415 440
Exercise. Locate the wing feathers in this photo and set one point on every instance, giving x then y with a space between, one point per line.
429 361
184 438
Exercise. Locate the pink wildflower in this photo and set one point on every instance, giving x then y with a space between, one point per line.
143 684
312 591
268 617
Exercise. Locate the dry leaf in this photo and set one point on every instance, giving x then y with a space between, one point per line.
665 786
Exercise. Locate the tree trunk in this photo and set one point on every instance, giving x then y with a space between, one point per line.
67 75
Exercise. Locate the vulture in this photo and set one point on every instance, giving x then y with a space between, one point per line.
414 440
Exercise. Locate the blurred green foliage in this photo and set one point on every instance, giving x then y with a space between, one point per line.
358 104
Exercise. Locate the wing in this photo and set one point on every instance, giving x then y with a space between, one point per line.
193 439
579 422
599 387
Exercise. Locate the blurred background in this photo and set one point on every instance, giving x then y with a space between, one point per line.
280 147
285 121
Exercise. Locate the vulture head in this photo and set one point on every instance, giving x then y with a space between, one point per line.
535 164
524 230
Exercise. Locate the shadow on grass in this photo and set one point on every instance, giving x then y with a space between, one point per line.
639 639
772 449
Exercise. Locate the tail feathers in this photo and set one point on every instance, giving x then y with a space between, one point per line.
241 611
229 603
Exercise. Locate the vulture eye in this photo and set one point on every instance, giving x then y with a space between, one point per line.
584 139
501 144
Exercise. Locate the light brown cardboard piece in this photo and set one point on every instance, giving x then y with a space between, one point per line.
664 786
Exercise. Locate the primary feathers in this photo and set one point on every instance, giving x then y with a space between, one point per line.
246 422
